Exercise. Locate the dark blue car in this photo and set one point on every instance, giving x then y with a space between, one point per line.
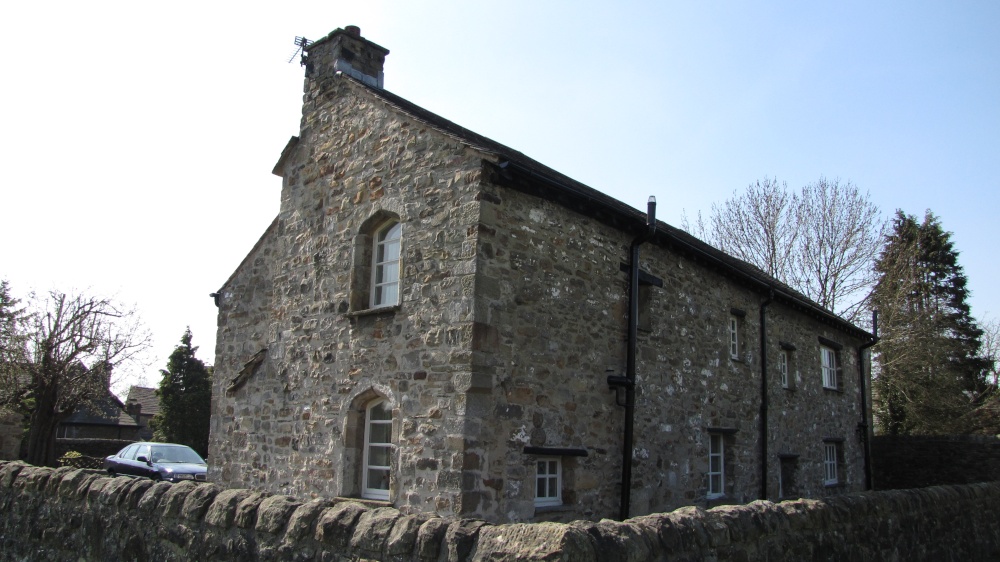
159 461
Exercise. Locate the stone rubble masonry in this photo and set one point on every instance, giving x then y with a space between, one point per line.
11 431
74 514
512 311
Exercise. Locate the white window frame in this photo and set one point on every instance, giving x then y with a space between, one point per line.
548 481
366 490
828 362
716 452
387 238
830 458
734 337
783 361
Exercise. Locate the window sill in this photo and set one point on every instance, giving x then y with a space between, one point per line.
553 508
363 501
832 485
715 501
831 389
374 311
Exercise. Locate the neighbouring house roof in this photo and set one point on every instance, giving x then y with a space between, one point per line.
106 411
518 171
146 397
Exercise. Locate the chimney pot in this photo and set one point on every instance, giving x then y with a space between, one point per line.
353 30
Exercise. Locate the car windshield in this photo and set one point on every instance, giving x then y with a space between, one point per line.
175 454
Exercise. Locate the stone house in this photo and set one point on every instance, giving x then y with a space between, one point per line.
439 323
142 404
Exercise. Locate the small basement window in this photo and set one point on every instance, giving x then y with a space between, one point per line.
551 464
548 482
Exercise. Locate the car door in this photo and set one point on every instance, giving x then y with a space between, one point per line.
141 465
122 462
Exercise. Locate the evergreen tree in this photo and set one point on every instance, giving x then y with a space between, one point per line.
185 399
931 375
12 337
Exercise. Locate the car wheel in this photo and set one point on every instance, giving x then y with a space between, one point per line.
112 473
157 478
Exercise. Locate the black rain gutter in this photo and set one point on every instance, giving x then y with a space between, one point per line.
763 394
863 427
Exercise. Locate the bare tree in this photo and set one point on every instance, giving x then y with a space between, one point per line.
842 234
761 226
991 350
822 241
70 345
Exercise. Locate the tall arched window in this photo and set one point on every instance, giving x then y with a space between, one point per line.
385 266
378 451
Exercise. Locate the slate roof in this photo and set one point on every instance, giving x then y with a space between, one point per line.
145 396
524 173
518 171
107 411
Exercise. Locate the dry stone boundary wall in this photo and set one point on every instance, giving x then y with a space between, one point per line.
76 514
918 461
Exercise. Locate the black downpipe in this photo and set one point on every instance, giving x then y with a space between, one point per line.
763 394
863 427
633 335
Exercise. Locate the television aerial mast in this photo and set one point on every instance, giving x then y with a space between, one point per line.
301 43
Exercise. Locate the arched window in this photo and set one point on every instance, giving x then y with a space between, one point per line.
377 452
385 265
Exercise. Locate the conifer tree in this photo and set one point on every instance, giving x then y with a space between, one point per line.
185 394
931 375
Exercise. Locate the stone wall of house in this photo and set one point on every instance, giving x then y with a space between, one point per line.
11 432
74 514
551 304
511 315
911 461
295 424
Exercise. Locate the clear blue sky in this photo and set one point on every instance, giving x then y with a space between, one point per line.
138 138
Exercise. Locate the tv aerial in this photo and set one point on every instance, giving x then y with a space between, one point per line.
301 43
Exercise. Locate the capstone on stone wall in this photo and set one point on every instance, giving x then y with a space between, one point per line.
74 514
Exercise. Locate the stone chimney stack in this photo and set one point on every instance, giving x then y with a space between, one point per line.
345 50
